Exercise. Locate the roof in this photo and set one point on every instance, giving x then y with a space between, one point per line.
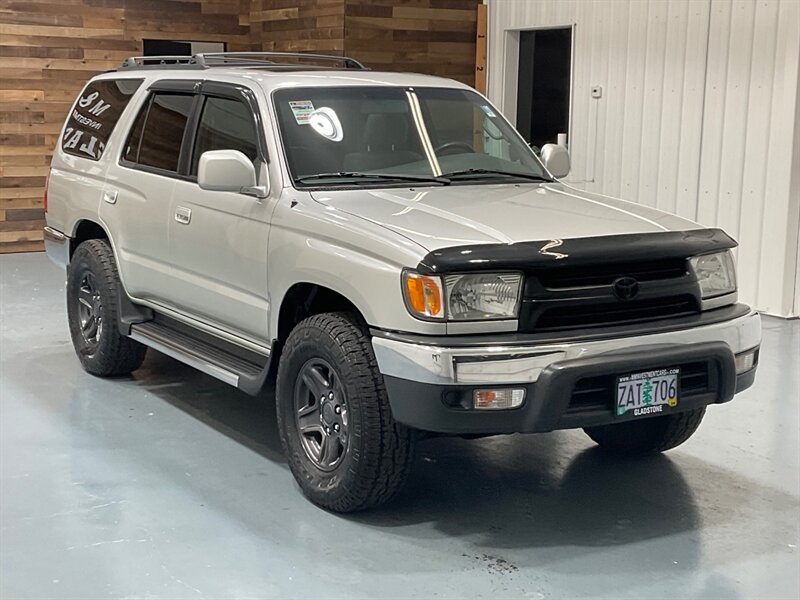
261 67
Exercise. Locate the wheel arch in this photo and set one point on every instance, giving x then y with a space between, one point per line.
305 299
86 229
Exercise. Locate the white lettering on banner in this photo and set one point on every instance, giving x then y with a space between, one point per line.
85 120
72 137
87 100
90 148
99 108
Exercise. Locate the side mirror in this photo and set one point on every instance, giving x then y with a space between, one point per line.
556 159
228 171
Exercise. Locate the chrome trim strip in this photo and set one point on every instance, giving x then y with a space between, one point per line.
488 326
54 235
193 361
719 301
490 364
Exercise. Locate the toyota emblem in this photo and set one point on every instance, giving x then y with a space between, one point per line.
625 288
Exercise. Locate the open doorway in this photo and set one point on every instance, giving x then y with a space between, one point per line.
179 48
543 84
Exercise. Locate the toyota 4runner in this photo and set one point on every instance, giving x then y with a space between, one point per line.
391 250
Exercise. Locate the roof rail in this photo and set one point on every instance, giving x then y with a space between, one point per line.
161 62
264 60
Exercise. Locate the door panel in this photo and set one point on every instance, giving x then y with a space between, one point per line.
218 246
218 240
138 220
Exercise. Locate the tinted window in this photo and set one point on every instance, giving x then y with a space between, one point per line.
156 136
378 131
225 124
95 115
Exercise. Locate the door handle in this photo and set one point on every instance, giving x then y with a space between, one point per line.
183 215
110 196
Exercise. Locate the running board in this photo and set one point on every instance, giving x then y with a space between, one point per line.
215 358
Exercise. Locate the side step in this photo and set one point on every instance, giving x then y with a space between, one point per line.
235 366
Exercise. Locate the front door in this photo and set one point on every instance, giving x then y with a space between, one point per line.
218 240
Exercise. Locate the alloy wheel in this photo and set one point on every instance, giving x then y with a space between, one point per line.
320 408
90 313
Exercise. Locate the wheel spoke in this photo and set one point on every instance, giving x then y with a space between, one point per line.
90 327
85 298
328 450
315 382
308 419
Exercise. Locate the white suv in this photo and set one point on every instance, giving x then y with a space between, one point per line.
391 250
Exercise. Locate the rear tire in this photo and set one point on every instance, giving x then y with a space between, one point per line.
93 313
343 446
648 436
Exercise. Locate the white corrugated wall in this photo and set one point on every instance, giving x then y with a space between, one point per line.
698 116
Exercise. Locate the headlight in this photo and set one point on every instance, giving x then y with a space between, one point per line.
715 273
482 296
469 297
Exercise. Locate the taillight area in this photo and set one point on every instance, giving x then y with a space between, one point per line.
44 198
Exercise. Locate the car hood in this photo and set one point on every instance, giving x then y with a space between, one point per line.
439 217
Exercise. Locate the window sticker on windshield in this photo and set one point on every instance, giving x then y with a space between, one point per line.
487 109
302 110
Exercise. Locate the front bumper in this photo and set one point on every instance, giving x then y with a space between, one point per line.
427 383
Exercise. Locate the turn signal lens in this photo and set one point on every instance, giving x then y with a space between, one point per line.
498 399
423 295
745 361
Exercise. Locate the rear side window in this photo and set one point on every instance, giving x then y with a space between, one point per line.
156 136
95 115
225 124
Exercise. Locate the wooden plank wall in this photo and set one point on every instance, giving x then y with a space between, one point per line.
297 25
423 36
48 49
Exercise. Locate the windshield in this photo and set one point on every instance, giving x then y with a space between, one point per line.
370 135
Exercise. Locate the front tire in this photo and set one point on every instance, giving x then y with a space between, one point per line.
343 446
648 436
93 312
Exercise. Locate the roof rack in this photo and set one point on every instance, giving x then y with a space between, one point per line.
261 60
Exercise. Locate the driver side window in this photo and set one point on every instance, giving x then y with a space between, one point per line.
225 124
459 127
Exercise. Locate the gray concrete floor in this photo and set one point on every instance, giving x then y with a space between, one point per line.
169 484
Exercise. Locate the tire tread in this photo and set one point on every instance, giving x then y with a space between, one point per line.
117 354
389 455
656 434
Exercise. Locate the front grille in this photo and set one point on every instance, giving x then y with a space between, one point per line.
599 275
580 297
598 393
591 314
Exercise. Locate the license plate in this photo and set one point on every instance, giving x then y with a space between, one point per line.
648 393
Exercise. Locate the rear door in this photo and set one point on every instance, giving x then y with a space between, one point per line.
218 240
139 188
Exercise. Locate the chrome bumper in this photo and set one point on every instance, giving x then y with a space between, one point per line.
56 244
453 365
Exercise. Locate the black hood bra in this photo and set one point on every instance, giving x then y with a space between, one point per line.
558 253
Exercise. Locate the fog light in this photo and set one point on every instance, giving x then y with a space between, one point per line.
745 361
498 399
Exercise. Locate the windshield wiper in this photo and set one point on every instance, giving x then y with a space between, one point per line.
530 176
370 175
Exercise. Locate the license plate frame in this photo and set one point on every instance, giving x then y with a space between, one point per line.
646 393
